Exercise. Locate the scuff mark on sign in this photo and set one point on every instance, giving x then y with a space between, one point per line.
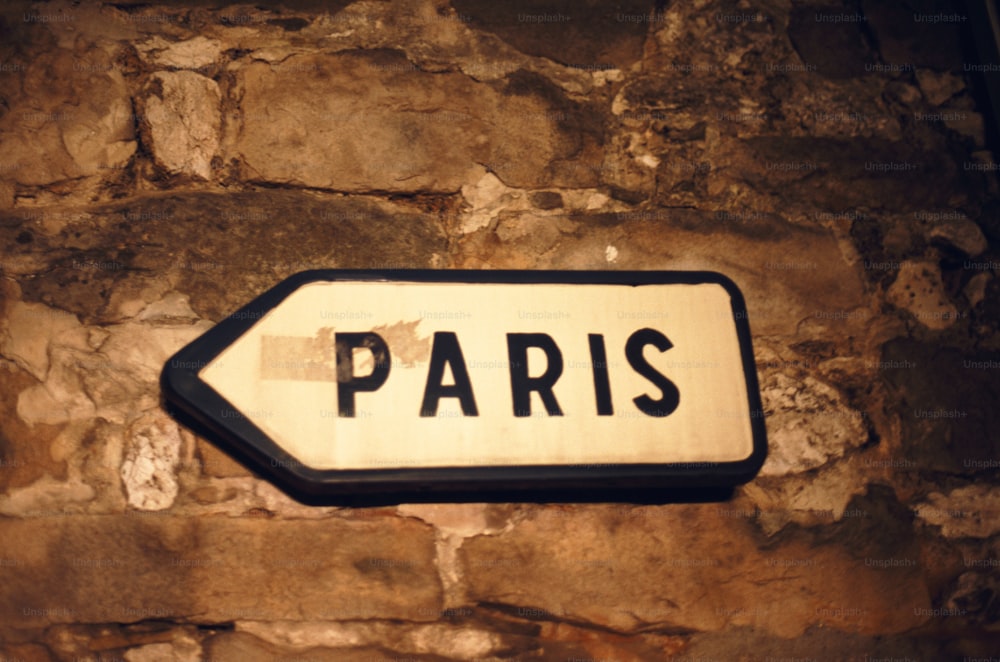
404 343
299 358
315 359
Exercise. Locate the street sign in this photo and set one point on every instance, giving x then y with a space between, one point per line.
341 382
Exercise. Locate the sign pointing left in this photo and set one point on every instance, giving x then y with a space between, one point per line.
340 382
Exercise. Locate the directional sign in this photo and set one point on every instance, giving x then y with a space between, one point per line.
362 381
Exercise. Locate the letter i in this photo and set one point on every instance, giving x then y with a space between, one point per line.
599 366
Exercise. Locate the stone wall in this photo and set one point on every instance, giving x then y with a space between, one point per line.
162 164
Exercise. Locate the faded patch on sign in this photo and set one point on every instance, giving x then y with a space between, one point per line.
314 359
404 344
299 358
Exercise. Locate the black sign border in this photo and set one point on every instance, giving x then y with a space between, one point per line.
211 415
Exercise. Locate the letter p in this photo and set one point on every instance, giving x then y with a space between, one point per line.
347 382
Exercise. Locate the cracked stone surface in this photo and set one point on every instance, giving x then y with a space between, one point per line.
795 445
161 165
152 453
183 120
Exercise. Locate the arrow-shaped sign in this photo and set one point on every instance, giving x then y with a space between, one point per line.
360 381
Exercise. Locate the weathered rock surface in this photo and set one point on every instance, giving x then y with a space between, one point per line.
228 248
242 646
374 121
196 53
160 165
69 119
682 568
966 512
816 498
796 444
152 456
85 387
919 290
137 567
182 122
961 234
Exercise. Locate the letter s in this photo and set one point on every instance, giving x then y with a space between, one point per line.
633 352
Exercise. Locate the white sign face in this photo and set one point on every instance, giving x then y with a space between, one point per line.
410 374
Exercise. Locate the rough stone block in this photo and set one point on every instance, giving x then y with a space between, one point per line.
182 122
67 120
222 250
919 290
683 567
374 121
136 567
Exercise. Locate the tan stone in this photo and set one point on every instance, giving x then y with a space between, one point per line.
453 519
7 191
184 650
142 349
215 462
152 453
815 498
808 424
967 123
135 567
485 199
975 289
249 648
25 652
66 121
174 307
31 165
104 138
183 121
961 233
682 566
972 511
37 404
79 383
243 646
459 642
25 455
29 328
939 86
392 127
189 54
919 290
64 396
45 497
